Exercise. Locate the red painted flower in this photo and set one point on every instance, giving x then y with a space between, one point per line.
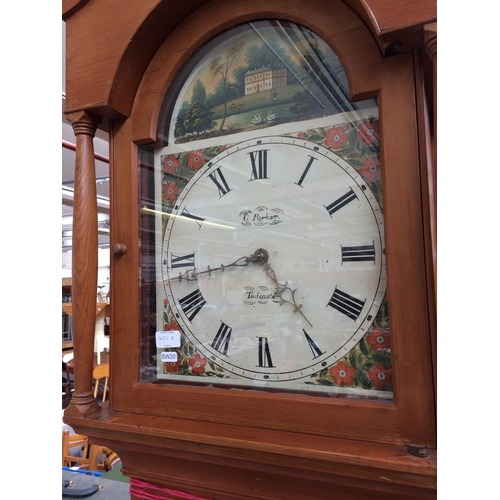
173 367
171 326
342 374
165 302
197 364
369 133
170 190
301 135
380 376
335 137
195 160
371 170
169 164
378 338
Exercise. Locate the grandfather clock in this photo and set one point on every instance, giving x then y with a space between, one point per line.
273 242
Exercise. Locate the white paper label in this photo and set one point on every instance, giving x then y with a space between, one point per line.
169 356
170 338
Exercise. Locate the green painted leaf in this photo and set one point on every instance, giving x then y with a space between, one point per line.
354 161
381 358
364 381
352 136
315 138
353 359
364 347
325 382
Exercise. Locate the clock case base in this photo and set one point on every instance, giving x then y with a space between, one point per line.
237 463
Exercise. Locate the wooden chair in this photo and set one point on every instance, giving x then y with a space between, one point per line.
73 441
99 373
92 457
103 458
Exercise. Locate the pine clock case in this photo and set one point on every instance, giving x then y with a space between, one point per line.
295 445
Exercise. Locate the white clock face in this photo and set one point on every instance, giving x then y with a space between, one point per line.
322 231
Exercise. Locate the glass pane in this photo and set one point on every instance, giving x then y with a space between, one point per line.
262 247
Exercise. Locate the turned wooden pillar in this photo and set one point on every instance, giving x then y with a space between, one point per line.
84 264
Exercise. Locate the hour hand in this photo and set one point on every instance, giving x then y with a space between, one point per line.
260 256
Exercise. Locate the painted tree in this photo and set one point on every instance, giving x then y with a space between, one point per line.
239 80
198 119
272 53
220 66
199 93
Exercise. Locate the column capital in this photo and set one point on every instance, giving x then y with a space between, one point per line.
430 39
83 122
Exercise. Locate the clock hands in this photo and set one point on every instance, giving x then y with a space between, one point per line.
282 288
261 257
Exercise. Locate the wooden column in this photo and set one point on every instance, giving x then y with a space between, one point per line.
84 264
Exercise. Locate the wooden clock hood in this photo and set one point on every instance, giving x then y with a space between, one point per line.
103 81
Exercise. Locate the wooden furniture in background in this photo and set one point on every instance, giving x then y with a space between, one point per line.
104 358
92 457
101 373
122 58
74 441
101 341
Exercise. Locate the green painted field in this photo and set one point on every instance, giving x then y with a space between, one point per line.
243 110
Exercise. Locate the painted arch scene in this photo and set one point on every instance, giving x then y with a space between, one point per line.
258 75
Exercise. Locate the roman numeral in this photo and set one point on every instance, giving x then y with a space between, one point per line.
362 253
341 202
346 304
198 220
304 173
259 164
220 182
182 261
265 360
312 345
221 340
192 303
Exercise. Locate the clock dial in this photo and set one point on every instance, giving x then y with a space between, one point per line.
321 284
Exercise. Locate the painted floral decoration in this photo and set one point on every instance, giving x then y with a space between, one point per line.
342 374
195 160
371 170
369 133
173 367
170 164
170 190
336 138
378 338
380 376
172 325
197 364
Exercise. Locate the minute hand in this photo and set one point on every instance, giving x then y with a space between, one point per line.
281 289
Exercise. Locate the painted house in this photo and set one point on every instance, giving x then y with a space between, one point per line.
265 79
